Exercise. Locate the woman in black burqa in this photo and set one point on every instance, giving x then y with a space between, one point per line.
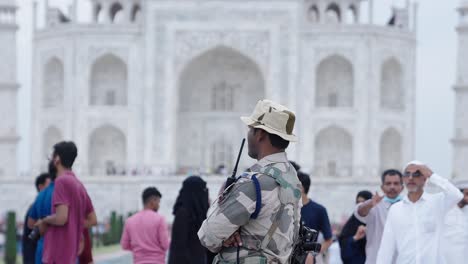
190 211
353 251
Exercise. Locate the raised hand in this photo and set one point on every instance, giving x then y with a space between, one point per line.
376 199
425 171
360 233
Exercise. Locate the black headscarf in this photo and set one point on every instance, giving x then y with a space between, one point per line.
364 194
193 197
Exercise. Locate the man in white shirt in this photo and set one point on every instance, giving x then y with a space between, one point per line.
455 234
374 212
414 226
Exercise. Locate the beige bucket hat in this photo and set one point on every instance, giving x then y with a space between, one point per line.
273 118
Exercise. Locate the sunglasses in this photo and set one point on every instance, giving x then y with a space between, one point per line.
415 174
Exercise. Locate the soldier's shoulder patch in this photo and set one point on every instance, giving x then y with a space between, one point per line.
272 171
277 174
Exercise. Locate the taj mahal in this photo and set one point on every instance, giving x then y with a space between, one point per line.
152 90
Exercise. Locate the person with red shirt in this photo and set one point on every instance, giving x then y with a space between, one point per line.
72 210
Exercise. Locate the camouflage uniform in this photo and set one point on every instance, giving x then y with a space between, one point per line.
279 215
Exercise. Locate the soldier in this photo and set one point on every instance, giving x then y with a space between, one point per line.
257 219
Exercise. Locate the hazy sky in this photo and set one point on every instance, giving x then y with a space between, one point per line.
435 76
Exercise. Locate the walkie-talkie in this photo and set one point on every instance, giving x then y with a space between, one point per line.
233 177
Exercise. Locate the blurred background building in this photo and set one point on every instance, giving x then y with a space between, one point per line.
460 141
154 89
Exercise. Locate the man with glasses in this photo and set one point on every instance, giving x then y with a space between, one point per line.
414 226
373 212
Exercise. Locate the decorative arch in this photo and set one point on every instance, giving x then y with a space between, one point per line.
108 83
214 89
391 85
390 149
333 13
53 83
117 13
313 14
334 152
107 151
334 82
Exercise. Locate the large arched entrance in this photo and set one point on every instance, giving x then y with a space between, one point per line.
215 88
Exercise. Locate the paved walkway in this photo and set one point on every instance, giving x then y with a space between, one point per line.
122 257
119 257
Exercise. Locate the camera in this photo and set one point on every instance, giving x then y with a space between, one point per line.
35 234
308 239
306 243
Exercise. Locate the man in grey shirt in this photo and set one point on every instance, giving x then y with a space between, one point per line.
373 212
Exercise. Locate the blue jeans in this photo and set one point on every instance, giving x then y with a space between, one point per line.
39 250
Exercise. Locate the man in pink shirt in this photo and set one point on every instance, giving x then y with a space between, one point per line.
72 210
145 233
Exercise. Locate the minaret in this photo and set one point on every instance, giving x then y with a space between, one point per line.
460 140
8 89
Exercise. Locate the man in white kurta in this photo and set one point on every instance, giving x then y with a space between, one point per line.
414 226
455 235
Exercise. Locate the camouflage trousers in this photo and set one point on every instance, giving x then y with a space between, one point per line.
242 260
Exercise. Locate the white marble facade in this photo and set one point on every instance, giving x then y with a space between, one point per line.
8 88
157 87
460 140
